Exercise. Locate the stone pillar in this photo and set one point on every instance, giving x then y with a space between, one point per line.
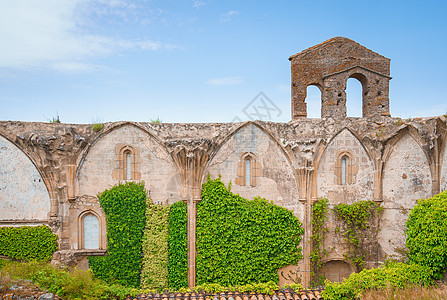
191 157
305 186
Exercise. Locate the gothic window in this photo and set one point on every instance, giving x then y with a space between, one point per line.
248 170
128 165
344 163
90 231
343 168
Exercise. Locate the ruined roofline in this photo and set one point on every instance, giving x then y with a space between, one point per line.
332 40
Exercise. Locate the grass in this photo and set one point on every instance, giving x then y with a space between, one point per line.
416 292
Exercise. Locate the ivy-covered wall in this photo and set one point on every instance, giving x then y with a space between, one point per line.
178 246
154 274
125 207
238 241
28 242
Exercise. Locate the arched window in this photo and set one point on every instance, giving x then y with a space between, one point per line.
313 101
248 171
343 168
356 90
90 231
128 165
344 165
128 158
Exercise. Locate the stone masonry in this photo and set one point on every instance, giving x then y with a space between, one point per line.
51 173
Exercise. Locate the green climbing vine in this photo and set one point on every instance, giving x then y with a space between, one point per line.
319 217
356 228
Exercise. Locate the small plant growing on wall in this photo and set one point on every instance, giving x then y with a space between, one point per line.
357 222
97 127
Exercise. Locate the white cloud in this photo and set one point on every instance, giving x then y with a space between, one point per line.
226 17
225 81
198 3
55 33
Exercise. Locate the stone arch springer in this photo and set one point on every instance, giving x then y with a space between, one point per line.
47 179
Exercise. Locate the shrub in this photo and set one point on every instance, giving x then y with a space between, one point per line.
97 127
75 285
241 241
178 246
154 274
393 275
427 233
124 206
28 242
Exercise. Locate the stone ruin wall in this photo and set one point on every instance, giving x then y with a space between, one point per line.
51 173
64 166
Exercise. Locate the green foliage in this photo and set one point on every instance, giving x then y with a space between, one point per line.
97 127
241 241
55 119
124 206
75 285
154 274
393 275
427 233
356 219
157 120
178 246
28 242
319 217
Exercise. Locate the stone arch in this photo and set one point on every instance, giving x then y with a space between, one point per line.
278 181
25 194
312 106
327 164
99 167
406 177
336 270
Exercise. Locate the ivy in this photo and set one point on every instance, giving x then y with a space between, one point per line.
390 276
124 206
241 241
178 246
28 242
319 217
154 274
356 219
427 233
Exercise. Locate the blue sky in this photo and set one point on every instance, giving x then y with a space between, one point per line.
203 60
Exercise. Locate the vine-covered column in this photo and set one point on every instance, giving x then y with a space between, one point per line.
191 158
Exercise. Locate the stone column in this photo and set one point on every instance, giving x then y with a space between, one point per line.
191 157
305 186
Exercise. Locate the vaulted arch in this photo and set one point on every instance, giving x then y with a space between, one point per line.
359 173
102 165
23 192
275 176
406 177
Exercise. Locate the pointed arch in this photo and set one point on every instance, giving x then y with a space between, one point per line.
101 165
275 176
26 184
106 131
359 169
